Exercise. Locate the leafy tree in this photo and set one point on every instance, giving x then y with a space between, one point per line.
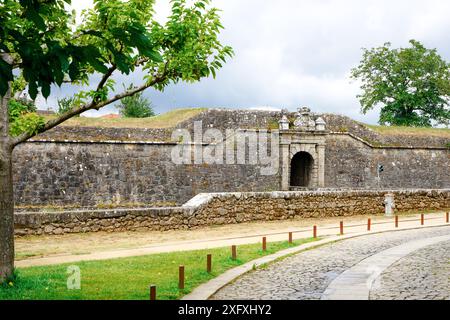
40 43
412 85
135 106
65 105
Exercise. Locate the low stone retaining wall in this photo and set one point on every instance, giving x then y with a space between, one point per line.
231 208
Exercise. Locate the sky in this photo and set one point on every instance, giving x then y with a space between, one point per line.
293 53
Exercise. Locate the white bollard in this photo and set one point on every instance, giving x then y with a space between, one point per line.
389 204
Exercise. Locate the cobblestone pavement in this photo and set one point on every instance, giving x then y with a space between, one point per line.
306 275
423 275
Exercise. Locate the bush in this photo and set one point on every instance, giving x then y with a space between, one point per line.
28 122
65 104
23 117
19 107
136 107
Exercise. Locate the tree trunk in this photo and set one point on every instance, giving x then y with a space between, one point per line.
6 192
6 213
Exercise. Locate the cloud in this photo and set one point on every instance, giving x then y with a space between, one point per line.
291 53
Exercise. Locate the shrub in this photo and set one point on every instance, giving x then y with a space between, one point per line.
136 106
23 117
65 104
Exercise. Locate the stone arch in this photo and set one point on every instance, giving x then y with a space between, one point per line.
302 165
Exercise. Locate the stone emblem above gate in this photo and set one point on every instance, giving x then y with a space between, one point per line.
302 145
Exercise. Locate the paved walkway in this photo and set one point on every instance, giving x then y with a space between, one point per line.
423 275
324 230
357 282
307 275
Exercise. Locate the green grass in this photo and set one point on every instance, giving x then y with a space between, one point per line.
411 131
166 120
129 278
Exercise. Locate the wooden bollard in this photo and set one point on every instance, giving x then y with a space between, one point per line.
264 244
315 232
447 218
290 237
422 219
369 224
341 227
396 221
181 277
152 292
209 263
233 252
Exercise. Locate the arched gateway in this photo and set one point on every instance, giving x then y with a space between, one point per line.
301 167
302 148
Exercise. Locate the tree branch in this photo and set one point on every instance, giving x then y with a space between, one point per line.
90 106
106 76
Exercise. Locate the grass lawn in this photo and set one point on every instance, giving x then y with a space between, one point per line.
166 120
129 278
411 131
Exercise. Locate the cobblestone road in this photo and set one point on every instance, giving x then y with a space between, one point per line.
306 275
423 275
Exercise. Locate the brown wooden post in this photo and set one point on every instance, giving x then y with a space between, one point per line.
447 218
290 237
369 224
209 263
152 292
315 232
341 227
422 219
264 244
233 252
396 221
181 277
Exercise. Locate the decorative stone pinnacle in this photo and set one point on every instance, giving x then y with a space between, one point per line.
320 124
284 123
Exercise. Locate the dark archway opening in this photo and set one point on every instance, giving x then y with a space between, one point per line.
301 167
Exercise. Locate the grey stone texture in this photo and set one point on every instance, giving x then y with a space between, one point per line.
92 166
423 275
229 208
306 275
97 173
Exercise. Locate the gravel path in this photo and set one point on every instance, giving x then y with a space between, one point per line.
423 275
306 275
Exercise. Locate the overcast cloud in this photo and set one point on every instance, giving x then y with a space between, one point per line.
291 53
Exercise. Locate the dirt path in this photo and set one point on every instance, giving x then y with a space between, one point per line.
46 250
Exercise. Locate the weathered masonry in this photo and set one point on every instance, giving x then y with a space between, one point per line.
302 150
89 167
230 208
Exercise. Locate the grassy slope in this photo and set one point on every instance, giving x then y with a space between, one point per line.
174 117
411 131
129 278
165 120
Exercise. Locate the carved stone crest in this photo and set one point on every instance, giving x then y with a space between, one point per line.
304 121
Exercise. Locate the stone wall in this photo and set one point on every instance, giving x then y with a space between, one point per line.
97 173
90 174
350 163
88 167
231 208
254 119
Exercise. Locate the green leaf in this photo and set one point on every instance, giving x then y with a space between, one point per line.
32 89
34 16
74 71
45 90
5 76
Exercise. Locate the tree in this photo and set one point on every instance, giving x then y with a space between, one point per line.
40 43
412 85
135 106
65 104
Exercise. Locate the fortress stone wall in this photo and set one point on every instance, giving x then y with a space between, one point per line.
231 208
94 166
